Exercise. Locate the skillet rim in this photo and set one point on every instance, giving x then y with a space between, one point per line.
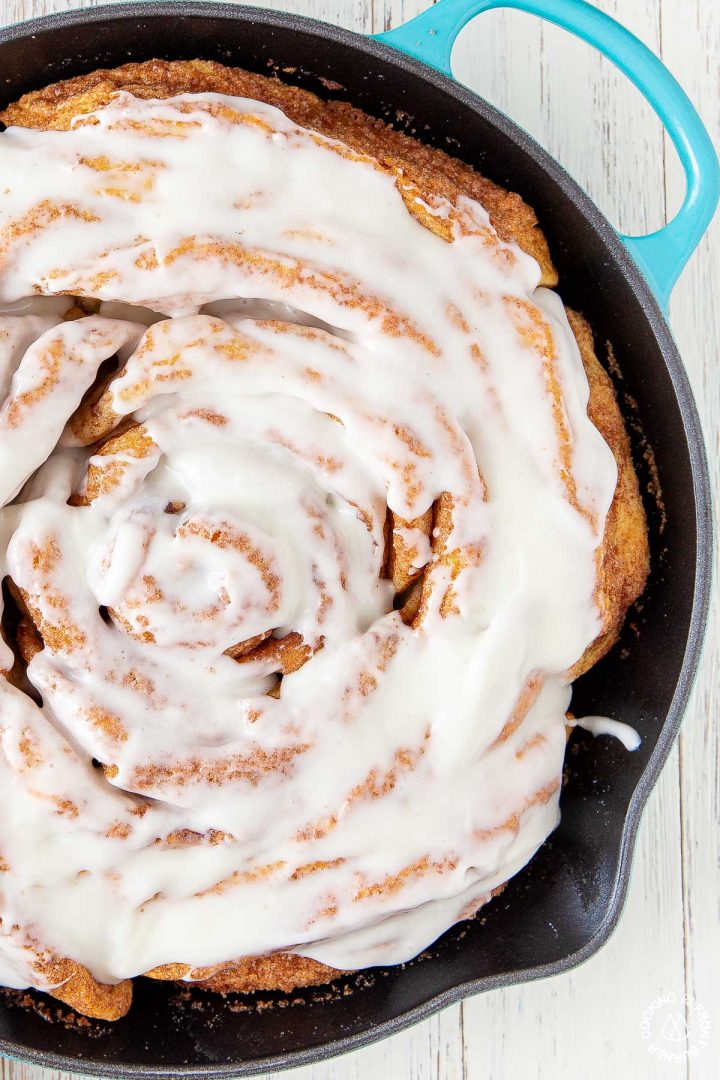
621 262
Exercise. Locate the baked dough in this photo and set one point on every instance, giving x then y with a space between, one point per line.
623 556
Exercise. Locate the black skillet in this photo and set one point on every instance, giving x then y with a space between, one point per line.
562 907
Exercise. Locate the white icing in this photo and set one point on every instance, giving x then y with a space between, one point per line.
603 725
375 802
45 390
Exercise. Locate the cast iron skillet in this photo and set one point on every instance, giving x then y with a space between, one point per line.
563 906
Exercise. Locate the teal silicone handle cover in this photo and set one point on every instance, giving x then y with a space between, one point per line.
661 255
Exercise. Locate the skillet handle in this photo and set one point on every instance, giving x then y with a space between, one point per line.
661 255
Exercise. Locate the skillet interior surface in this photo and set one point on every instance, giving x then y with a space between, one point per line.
562 907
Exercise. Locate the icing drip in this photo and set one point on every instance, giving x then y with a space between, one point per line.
230 528
603 725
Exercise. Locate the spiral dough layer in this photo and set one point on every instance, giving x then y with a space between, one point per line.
302 553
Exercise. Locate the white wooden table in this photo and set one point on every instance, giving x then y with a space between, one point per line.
589 1023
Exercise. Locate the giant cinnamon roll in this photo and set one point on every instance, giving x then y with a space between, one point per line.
316 501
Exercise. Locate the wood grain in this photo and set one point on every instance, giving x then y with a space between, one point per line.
587 1022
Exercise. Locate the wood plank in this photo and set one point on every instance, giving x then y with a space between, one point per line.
576 104
691 49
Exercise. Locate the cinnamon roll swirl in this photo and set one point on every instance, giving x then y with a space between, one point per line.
316 500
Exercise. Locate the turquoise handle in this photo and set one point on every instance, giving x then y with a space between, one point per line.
661 255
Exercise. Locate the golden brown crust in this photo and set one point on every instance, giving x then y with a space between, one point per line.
623 564
85 994
624 557
278 971
403 562
432 170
